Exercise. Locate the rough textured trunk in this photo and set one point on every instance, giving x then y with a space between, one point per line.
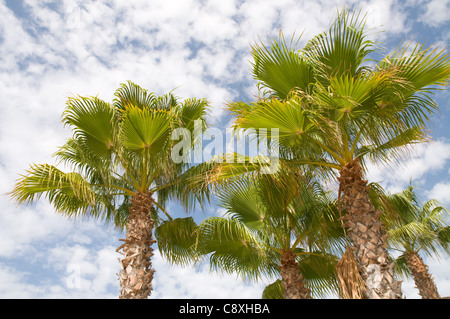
422 278
292 279
136 274
365 229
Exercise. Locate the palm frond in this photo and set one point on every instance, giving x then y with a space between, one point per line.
396 147
416 227
319 271
176 240
145 130
130 94
342 49
401 267
424 70
92 120
273 291
242 202
192 110
280 68
234 248
69 193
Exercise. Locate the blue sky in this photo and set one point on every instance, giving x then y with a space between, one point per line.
50 50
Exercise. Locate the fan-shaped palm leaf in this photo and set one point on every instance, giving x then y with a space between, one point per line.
176 240
280 56
145 130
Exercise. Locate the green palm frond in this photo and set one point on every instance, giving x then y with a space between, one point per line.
280 68
420 66
192 110
166 102
145 130
234 248
278 191
176 240
296 125
343 49
318 270
92 120
290 117
273 291
401 267
423 70
321 227
69 193
395 147
195 184
192 116
52 181
223 169
242 202
130 94
443 238
78 156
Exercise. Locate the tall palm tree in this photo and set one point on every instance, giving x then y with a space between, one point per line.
120 170
270 231
416 229
335 111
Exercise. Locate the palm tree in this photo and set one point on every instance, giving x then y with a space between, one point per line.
270 231
416 229
335 111
120 170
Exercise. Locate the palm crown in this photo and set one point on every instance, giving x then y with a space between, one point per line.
116 151
328 96
269 231
415 230
417 227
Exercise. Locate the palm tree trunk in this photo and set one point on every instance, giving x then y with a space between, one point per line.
292 279
366 231
136 274
422 278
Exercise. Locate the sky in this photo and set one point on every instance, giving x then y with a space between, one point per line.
50 50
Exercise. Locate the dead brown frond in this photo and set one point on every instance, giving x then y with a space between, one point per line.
351 285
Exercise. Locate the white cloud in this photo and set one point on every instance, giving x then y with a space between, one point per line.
436 12
440 192
425 159
20 229
438 268
181 282
86 272
75 272
14 284
83 273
